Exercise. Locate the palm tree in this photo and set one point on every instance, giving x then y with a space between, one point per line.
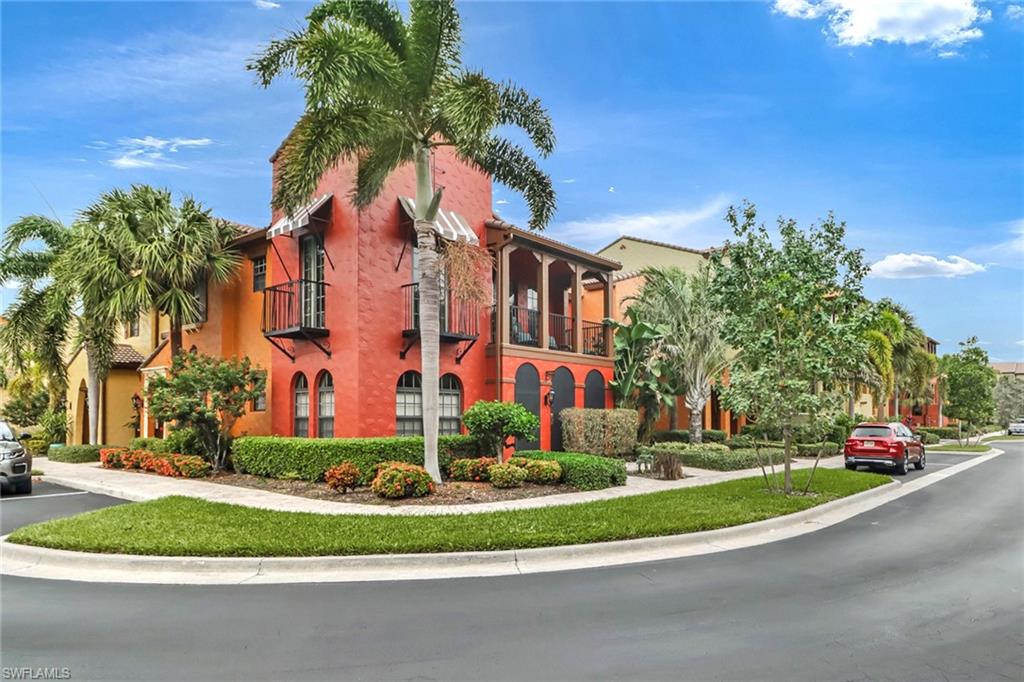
385 91
53 312
885 330
682 305
145 253
912 366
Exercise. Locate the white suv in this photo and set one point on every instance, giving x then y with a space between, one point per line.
1016 427
15 462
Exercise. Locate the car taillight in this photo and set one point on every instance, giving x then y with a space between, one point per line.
895 447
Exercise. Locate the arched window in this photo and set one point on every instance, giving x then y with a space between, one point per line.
325 406
300 402
450 399
409 404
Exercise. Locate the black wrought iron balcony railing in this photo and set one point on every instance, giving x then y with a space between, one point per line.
594 338
295 309
524 326
459 320
560 332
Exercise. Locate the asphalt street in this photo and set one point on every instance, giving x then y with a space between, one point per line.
929 586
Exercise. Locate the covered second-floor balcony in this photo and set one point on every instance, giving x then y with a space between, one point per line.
459 320
549 296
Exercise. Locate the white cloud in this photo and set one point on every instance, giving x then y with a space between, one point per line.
1015 12
937 23
265 4
916 265
1007 252
568 181
1021 342
501 202
611 190
149 151
947 54
698 227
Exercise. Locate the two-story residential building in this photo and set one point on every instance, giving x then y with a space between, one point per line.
326 301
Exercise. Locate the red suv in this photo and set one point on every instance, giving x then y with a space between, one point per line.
888 445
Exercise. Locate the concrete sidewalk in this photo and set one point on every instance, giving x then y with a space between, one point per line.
139 487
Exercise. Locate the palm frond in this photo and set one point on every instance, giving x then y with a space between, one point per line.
376 164
510 165
433 45
341 63
469 105
377 15
517 107
277 57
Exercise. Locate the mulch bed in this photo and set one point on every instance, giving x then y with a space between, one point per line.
454 492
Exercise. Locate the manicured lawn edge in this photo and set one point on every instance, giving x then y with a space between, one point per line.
181 526
954 447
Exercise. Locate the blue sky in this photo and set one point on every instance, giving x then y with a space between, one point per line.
906 119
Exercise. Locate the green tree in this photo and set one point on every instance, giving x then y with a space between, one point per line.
55 311
145 253
207 395
913 366
496 425
386 91
1009 397
640 383
970 385
28 397
683 307
793 314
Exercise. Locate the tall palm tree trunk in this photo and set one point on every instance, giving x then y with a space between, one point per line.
430 324
93 382
176 337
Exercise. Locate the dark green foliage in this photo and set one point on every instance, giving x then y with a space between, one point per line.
948 432
495 424
716 459
681 436
543 472
76 454
309 458
811 449
586 472
26 408
611 433
506 475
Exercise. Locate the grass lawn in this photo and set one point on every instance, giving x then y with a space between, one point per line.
953 447
183 526
989 439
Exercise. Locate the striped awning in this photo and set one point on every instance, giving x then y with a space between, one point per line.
299 219
450 225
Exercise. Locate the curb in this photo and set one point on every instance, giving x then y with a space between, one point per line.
54 564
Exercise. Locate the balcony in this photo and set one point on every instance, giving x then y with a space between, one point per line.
524 330
294 310
459 320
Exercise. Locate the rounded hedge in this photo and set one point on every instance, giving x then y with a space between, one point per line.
396 480
506 475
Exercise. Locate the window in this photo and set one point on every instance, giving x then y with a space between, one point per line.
871 432
409 404
259 273
259 403
531 299
199 291
300 399
450 399
131 330
325 406
312 295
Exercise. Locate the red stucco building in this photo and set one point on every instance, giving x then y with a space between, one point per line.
340 302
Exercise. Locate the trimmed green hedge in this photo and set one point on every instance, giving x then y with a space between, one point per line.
586 472
714 458
811 449
76 454
940 431
611 433
683 436
309 458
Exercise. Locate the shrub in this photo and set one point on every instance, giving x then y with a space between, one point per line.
714 459
667 465
185 441
36 445
471 469
929 439
110 458
506 475
396 480
948 432
151 444
76 454
343 477
542 472
811 449
673 436
309 458
688 447
611 433
586 472
740 440
190 466
494 423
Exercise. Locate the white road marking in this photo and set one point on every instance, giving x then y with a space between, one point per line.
39 497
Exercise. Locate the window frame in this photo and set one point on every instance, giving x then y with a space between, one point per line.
300 386
259 273
406 397
449 425
321 420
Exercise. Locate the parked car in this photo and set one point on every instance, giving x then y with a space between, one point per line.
1016 427
15 461
884 445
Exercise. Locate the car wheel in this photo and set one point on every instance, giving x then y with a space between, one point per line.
851 467
919 464
23 487
901 467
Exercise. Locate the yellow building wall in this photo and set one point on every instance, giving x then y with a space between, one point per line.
635 255
77 416
116 411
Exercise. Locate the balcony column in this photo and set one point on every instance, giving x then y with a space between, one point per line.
609 307
501 305
577 305
542 303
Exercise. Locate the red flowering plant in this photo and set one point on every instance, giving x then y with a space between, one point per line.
343 477
396 480
471 469
190 466
110 458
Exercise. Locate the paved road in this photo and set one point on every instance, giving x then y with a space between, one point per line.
928 587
